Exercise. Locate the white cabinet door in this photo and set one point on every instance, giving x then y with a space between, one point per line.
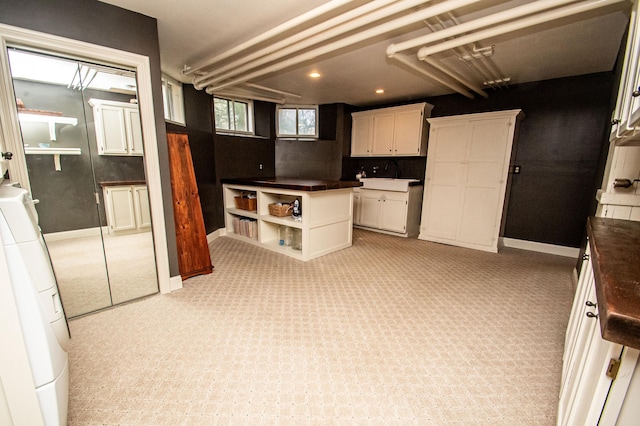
120 208
370 209
362 135
134 131
408 132
141 202
111 130
393 216
383 131
356 206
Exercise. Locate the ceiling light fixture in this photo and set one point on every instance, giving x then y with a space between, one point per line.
314 74
380 91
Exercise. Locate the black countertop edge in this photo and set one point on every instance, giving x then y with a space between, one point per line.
295 184
615 256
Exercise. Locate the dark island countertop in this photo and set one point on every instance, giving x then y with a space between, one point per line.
295 184
615 255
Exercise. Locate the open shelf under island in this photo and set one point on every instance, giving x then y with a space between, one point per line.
327 214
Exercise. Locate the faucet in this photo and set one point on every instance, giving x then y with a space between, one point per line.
395 163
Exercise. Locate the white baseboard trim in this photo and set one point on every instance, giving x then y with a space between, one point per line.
542 247
76 233
176 283
220 232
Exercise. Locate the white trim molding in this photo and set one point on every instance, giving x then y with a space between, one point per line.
541 247
10 130
220 232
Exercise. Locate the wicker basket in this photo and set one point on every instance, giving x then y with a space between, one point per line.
280 210
243 202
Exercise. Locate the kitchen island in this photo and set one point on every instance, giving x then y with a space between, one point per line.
324 226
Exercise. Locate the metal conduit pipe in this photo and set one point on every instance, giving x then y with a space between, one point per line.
356 38
563 12
314 13
470 84
496 18
450 84
295 41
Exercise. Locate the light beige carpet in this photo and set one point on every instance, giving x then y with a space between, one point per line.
389 331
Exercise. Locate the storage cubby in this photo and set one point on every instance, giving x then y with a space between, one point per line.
326 224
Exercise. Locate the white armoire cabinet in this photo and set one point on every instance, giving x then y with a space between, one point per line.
467 178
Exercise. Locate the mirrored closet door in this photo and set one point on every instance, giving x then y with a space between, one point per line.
82 140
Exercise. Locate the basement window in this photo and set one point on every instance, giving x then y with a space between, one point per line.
297 121
233 115
173 100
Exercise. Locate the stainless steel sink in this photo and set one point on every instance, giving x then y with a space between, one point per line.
387 184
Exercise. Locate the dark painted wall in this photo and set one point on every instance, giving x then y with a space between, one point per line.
217 157
106 25
67 200
559 149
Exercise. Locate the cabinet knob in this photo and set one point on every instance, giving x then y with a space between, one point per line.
636 93
592 315
590 304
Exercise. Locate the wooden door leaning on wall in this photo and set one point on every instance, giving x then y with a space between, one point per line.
191 237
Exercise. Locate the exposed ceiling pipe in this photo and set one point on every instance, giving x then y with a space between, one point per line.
318 33
563 12
450 84
314 13
496 18
451 73
268 89
356 38
237 93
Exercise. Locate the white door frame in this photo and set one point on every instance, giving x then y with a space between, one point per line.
11 140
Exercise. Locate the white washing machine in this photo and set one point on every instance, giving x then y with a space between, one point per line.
37 299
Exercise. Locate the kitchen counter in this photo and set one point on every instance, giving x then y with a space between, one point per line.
295 184
122 183
615 255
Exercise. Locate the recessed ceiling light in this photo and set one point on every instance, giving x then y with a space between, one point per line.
380 91
314 74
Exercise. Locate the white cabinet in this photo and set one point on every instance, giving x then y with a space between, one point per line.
118 130
397 213
393 131
127 208
596 373
466 178
326 224
626 116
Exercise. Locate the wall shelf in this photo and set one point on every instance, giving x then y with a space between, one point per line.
50 120
56 152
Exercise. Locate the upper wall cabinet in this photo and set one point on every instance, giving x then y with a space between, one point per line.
118 130
625 127
394 131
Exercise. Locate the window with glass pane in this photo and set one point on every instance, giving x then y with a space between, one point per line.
173 100
233 115
297 121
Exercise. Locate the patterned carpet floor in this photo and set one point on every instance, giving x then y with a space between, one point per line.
389 331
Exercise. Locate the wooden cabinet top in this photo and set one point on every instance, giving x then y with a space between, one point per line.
615 255
295 184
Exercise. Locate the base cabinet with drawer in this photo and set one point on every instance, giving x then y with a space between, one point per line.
392 212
